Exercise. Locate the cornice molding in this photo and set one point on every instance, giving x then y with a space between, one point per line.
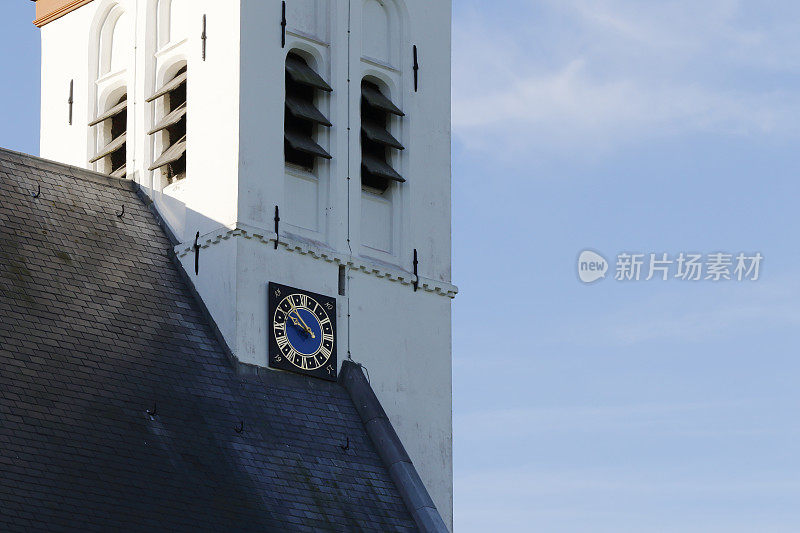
49 10
328 255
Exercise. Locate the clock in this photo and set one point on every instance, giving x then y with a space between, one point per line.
302 332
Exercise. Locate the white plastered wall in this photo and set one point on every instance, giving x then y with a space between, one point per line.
403 337
65 47
236 176
207 198
111 54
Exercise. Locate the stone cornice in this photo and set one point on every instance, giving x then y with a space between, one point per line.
50 10
322 253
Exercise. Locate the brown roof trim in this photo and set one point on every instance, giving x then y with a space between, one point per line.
49 10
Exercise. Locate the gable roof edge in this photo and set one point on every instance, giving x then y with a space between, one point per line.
391 450
241 369
19 158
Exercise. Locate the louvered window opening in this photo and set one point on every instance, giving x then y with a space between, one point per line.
173 126
116 119
377 143
301 116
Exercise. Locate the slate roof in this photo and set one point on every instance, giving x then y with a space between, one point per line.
97 326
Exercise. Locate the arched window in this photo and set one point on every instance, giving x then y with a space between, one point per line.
377 32
172 19
114 42
173 124
115 123
376 141
302 116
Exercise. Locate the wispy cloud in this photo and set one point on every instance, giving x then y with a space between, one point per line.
675 314
620 499
703 324
542 483
526 423
679 317
625 73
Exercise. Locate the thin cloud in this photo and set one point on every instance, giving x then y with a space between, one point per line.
631 74
679 318
645 417
530 498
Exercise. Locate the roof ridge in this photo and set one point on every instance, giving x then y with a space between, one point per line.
41 163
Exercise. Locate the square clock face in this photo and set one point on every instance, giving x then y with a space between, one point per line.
302 332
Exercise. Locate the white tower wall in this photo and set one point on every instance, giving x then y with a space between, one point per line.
236 175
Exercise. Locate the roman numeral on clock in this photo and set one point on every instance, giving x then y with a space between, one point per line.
282 341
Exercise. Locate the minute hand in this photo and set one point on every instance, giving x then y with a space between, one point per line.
296 312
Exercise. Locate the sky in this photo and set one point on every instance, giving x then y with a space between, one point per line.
616 126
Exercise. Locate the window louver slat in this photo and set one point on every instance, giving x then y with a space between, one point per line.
303 143
379 168
170 86
301 73
120 172
170 155
376 99
170 120
305 110
113 112
378 134
110 148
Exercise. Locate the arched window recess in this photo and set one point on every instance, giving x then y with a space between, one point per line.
173 124
302 116
376 141
116 121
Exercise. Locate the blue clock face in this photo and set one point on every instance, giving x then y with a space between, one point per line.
303 332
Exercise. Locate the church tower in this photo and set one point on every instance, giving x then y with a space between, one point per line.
299 153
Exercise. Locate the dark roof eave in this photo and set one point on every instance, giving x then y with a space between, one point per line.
391 450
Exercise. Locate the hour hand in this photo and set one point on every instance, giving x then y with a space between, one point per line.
296 322
300 323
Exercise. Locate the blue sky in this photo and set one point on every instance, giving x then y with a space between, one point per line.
660 126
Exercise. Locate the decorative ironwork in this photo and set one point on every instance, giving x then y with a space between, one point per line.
277 226
204 37
416 273
283 26
71 99
196 254
416 70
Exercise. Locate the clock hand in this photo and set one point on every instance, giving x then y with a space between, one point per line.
305 326
298 325
295 321
300 318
